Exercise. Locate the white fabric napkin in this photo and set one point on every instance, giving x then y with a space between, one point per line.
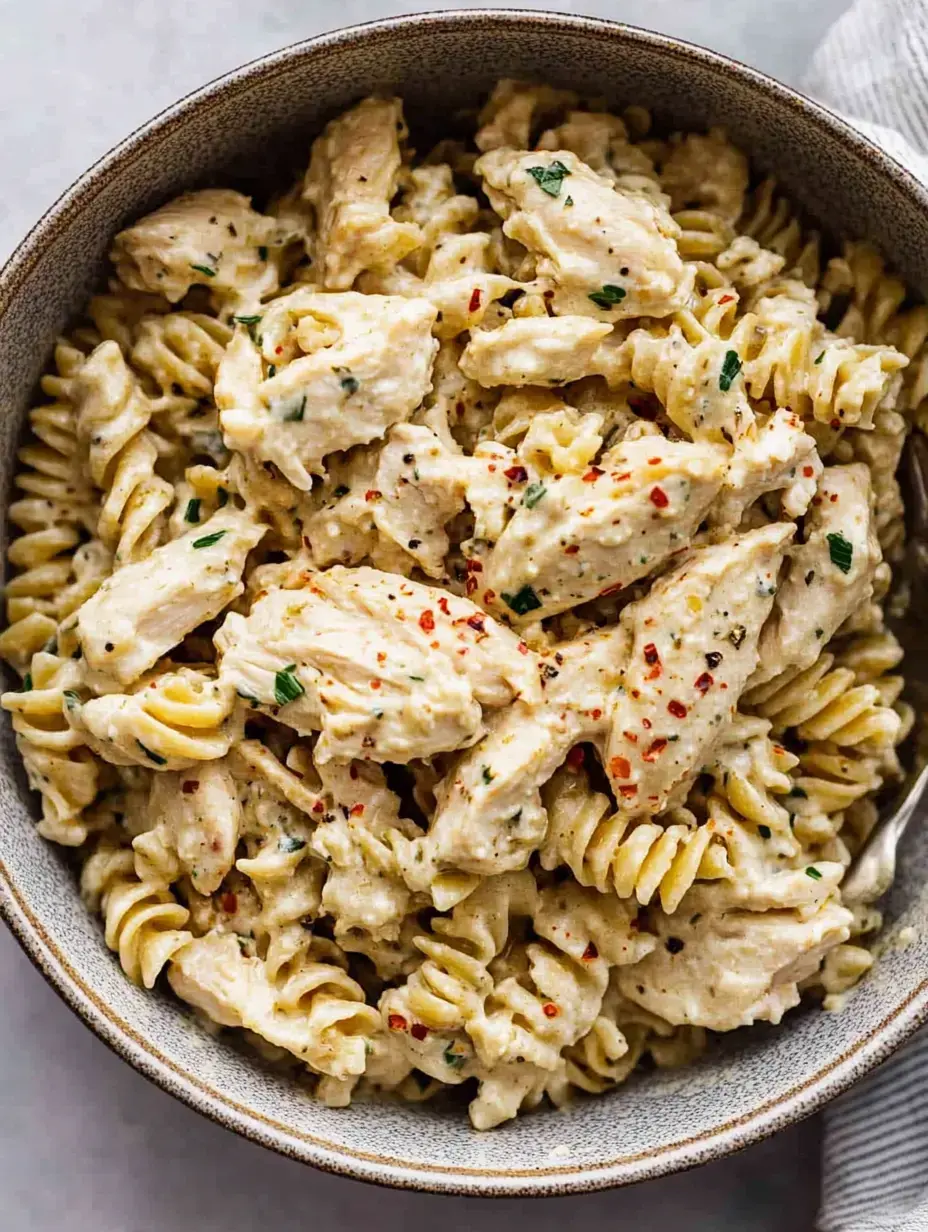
873 68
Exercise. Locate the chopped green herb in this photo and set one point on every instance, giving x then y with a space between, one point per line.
204 269
72 697
841 551
419 678
208 540
813 873
27 683
820 357
731 366
764 831
533 494
341 490
286 686
819 632
222 497
155 757
799 793
290 410
608 297
549 179
251 322
568 200
247 697
487 774
350 384
524 600
289 844
192 512
271 370
454 1059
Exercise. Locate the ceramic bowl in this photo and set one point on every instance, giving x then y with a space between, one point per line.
241 129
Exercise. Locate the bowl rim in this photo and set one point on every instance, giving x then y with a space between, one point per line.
144 1056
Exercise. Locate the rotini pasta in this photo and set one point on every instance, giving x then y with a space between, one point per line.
449 601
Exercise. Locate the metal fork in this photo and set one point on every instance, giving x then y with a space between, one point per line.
874 867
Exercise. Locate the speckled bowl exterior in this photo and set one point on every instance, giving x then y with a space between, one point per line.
243 128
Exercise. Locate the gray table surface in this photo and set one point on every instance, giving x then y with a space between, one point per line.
85 1143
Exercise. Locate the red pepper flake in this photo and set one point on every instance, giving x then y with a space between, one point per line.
443 604
620 767
356 810
833 498
658 498
419 1030
229 902
427 621
474 566
835 423
590 953
522 648
375 684
704 682
628 790
318 807
278 350
516 474
592 474
726 299
396 1022
381 656
550 1010
190 786
596 714
651 655
476 622
653 461
471 585
611 590
489 596
572 550
677 709
630 736
576 757
808 471
654 749
372 494
474 300
492 468
624 475
644 722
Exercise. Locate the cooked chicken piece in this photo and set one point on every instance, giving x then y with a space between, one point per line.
694 645
212 237
830 574
721 967
780 456
333 370
576 536
352 178
147 608
385 668
606 253
535 351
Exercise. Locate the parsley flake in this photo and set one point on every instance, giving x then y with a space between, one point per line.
286 686
524 600
155 757
840 550
731 366
819 357
289 844
486 774
549 179
533 494
204 269
27 683
568 200
341 490
222 497
250 322
452 1058
813 873
608 297
192 512
208 540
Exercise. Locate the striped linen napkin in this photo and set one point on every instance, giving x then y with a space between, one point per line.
873 68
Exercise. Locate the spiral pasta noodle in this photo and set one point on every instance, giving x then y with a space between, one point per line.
606 850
